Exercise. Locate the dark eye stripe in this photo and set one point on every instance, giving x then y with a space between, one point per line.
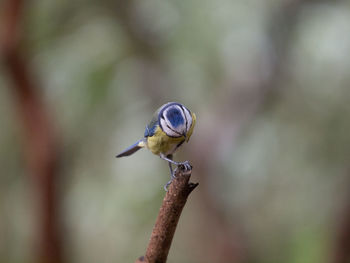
160 123
174 130
161 126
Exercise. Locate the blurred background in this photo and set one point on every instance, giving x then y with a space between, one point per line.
268 81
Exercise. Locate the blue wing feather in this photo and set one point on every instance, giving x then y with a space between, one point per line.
151 127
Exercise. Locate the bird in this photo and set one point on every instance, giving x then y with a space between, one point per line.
171 125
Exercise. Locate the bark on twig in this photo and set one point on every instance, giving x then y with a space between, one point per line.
168 217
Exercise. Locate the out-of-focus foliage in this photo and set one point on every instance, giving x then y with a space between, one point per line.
269 82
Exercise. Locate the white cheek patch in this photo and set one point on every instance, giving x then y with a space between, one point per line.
188 118
168 129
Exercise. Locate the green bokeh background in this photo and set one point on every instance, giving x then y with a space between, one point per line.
269 83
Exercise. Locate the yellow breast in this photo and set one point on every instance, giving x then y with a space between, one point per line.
162 143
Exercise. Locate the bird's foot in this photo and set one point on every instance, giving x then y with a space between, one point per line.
184 166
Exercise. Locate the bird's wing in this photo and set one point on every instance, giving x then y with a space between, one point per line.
152 126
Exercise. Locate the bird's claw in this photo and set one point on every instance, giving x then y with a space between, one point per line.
167 185
186 165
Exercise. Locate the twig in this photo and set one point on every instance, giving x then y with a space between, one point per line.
168 217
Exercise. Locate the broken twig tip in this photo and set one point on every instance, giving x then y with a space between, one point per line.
192 186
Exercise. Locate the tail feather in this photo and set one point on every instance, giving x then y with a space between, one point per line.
131 149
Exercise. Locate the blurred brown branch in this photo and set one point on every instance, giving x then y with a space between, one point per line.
168 217
341 246
40 143
341 253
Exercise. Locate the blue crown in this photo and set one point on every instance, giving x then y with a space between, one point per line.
175 117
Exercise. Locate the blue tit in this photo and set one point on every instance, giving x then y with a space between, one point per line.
172 125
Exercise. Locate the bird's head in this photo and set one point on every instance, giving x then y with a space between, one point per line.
175 119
